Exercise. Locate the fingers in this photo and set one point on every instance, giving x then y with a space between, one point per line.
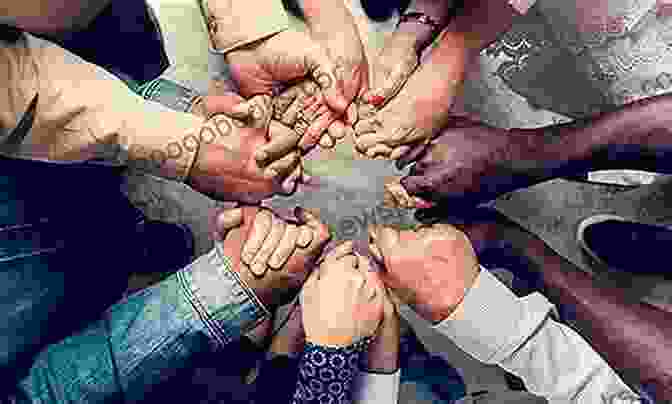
283 167
394 81
285 248
282 140
397 192
320 231
305 237
228 103
337 130
291 183
383 241
314 132
271 242
351 115
227 220
341 250
261 227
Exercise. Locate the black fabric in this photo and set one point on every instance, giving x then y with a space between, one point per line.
9 34
630 247
124 39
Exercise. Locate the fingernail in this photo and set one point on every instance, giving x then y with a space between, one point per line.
376 100
261 156
258 268
422 204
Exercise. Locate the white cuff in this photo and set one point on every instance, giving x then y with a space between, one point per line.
491 322
374 388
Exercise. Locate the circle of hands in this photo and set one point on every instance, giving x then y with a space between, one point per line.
301 90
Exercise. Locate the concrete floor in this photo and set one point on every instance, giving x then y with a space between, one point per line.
551 210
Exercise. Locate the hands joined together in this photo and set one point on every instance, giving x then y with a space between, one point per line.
343 299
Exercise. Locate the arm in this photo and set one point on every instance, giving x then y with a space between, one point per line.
239 23
630 334
85 112
326 373
147 339
552 359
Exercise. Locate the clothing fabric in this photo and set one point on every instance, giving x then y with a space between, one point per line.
132 23
552 359
85 113
326 374
59 272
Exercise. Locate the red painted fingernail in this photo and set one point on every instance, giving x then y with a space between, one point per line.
376 99
422 204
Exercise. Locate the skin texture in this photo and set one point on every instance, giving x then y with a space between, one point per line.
430 268
345 50
472 162
628 334
415 115
233 228
227 168
392 127
383 353
343 301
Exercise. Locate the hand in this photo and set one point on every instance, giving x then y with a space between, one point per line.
232 231
342 301
331 25
239 163
393 66
431 268
472 162
283 58
414 115
383 354
272 241
303 108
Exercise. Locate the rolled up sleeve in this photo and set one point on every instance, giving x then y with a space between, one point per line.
234 23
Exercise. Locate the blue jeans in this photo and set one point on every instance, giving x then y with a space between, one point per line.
63 265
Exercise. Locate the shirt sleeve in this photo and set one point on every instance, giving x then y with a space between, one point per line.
235 23
326 374
84 112
146 339
373 388
496 327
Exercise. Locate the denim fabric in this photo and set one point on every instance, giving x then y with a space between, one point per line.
59 227
64 243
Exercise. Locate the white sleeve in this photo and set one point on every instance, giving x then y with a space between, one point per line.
496 327
376 388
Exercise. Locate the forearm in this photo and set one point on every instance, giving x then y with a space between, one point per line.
481 22
146 340
496 327
84 112
629 334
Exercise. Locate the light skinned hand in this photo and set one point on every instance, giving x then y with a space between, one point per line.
430 268
233 228
342 301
